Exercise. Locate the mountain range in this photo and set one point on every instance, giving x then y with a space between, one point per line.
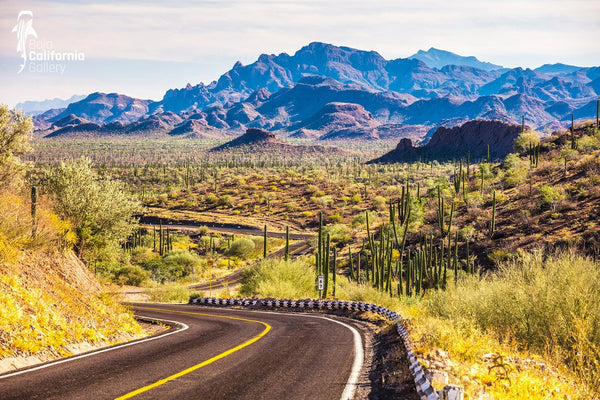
38 107
328 92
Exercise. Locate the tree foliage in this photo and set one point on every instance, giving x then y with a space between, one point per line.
527 139
15 130
99 209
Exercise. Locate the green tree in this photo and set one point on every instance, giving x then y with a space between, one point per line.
527 139
516 170
15 129
99 209
551 196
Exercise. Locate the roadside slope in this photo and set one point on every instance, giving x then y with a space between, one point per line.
51 305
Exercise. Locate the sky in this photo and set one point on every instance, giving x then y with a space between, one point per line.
143 48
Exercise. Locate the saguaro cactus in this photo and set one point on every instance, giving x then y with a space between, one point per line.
334 263
265 243
493 221
287 243
161 239
326 265
34 198
573 141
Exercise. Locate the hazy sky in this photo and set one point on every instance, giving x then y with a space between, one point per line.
142 48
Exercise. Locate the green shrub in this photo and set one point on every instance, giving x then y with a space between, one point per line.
171 293
356 198
211 198
379 203
526 139
174 265
184 259
132 275
142 254
335 218
360 220
551 196
15 128
587 143
242 248
278 278
516 170
340 233
226 200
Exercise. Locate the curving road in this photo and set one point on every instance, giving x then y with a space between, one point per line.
238 229
233 279
210 354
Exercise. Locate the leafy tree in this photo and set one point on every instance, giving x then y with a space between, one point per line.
99 209
14 141
551 196
516 170
526 139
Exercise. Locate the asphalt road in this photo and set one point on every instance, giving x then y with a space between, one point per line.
149 221
212 354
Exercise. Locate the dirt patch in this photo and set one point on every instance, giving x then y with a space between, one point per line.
132 294
390 375
152 328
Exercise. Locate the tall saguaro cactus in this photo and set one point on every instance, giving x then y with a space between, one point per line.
573 141
34 198
326 265
287 243
265 243
334 263
493 221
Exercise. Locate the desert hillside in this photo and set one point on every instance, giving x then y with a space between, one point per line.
51 305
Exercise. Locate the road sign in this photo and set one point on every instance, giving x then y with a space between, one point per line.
321 282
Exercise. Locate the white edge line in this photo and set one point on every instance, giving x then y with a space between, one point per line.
352 382
111 348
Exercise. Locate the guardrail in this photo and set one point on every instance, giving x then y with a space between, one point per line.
422 383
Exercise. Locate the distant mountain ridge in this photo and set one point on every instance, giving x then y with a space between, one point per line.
436 58
38 107
290 94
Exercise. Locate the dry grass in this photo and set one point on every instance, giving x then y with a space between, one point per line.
49 301
550 306
473 349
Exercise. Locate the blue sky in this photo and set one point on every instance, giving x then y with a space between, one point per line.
143 48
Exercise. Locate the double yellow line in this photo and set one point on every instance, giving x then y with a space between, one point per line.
203 363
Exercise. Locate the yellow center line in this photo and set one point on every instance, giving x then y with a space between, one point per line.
203 363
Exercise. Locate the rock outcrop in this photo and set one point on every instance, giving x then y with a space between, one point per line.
259 141
473 137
